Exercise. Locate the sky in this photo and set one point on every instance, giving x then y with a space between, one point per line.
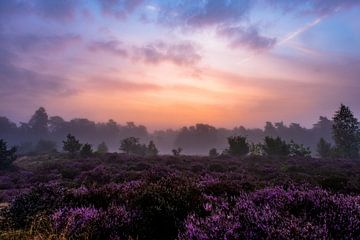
180 62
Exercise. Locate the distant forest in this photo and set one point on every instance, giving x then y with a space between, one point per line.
197 139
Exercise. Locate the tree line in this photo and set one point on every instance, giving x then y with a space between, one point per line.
43 133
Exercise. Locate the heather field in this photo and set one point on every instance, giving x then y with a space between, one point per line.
116 196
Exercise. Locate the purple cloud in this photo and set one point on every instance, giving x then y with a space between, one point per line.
183 53
111 46
189 13
23 82
247 37
318 7
59 10
32 42
119 8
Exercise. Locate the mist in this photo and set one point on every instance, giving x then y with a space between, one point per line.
196 139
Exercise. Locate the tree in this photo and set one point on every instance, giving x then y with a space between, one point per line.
132 146
238 146
213 153
177 151
71 145
346 133
86 150
298 150
39 122
102 148
151 149
275 147
7 156
324 148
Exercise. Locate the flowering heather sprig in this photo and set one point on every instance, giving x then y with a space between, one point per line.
275 213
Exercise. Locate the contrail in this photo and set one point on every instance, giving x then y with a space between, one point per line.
297 32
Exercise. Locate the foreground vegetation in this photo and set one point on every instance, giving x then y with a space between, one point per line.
117 196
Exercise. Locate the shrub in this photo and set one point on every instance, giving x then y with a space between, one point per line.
238 146
132 146
298 150
177 151
41 199
86 150
151 150
276 147
7 156
324 149
213 153
71 145
102 148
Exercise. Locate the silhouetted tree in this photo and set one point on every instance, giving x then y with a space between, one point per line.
275 147
132 146
213 153
102 148
151 149
298 150
7 156
177 151
71 145
238 146
86 150
39 123
324 148
346 133
45 146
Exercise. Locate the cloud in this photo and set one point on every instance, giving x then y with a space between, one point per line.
16 81
119 9
63 10
183 53
32 42
317 7
111 84
157 52
198 14
247 37
111 46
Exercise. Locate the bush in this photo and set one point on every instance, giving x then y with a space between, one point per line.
298 150
213 153
7 156
71 145
102 148
86 150
41 199
276 147
324 149
177 151
132 146
238 146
